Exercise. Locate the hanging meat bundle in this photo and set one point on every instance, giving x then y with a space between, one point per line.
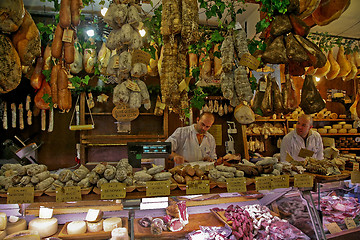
118 56
311 100
179 27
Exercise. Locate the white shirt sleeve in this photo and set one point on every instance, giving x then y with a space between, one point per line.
285 148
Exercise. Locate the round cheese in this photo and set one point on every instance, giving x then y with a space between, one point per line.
322 130
76 227
3 221
332 131
119 234
44 226
24 235
343 130
16 226
327 127
314 129
95 226
342 123
347 126
111 223
337 126
353 130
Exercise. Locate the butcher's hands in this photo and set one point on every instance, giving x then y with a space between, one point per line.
178 159
229 157
208 159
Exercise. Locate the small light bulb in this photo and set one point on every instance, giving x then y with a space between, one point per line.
142 32
103 11
90 33
317 79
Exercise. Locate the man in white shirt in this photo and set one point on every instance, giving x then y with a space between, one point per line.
302 137
194 143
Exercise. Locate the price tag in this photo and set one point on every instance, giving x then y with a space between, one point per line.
333 227
122 113
182 85
139 56
113 190
355 177
157 188
249 61
281 181
16 195
45 212
68 194
303 180
116 61
236 184
198 187
160 105
262 86
68 35
305 153
350 223
132 85
355 166
262 183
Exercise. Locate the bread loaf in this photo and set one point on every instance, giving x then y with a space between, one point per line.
11 15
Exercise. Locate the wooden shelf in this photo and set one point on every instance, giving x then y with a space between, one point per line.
348 149
270 120
325 120
109 114
277 134
340 134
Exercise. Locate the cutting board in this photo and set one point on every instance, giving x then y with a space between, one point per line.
89 235
323 178
195 221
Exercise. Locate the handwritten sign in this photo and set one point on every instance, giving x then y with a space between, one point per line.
333 227
139 56
122 113
68 194
355 166
350 223
262 183
157 188
249 61
116 62
303 180
113 190
16 195
236 184
355 177
281 181
305 153
68 35
183 85
198 187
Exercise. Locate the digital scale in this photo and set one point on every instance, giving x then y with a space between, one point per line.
146 153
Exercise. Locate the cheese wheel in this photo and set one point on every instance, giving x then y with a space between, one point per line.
44 226
342 116
2 235
23 235
337 126
111 223
322 130
119 234
347 126
20 225
332 131
314 129
3 221
327 127
353 130
343 130
342 123
95 226
76 227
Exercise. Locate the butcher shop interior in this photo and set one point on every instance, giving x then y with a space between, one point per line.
179 119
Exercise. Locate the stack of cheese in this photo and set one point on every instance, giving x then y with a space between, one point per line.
15 228
93 223
340 127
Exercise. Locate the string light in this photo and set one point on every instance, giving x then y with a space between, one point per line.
142 32
103 11
317 79
90 33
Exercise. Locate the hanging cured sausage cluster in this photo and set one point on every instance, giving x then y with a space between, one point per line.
179 27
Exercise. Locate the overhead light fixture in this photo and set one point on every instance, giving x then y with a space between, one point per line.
142 32
90 33
103 11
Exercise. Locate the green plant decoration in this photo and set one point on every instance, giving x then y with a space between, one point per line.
327 42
